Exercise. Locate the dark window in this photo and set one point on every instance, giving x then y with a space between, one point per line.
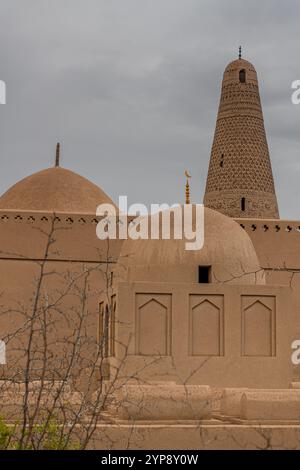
222 161
105 336
243 204
242 76
204 274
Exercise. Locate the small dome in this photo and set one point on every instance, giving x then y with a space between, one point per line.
54 190
227 250
233 70
239 64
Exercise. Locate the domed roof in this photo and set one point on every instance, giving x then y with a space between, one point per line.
233 68
227 249
239 64
54 190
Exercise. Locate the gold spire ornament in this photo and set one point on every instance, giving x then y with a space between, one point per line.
187 187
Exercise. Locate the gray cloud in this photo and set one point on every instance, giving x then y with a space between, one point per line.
131 89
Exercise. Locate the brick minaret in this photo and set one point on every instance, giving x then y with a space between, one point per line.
240 181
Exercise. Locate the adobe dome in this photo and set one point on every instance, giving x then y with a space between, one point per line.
227 249
54 190
233 68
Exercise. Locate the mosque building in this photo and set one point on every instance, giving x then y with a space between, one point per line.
205 334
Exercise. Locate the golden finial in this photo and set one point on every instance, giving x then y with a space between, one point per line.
57 154
187 188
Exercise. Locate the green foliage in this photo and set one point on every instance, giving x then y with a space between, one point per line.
6 434
51 437
45 436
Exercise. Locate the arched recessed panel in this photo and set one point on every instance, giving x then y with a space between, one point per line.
152 328
257 330
112 327
205 329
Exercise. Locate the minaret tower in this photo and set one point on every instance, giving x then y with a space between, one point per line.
240 180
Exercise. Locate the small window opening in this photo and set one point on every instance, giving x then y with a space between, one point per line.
222 161
242 76
243 204
105 327
204 274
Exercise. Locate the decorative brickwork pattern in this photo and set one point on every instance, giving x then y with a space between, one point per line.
240 181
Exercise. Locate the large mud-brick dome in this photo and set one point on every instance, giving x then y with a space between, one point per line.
240 181
54 190
227 250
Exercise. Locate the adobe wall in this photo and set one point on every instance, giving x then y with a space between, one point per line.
277 242
77 271
25 235
67 293
222 336
202 436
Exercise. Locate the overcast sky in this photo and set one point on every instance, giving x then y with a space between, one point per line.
131 88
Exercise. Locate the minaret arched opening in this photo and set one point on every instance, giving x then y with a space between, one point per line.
222 160
242 76
243 204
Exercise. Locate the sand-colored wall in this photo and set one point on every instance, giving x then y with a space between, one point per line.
25 235
277 242
67 293
196 436
76 271
222 336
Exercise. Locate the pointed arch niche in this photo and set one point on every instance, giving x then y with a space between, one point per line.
258 326
206 325
153 324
